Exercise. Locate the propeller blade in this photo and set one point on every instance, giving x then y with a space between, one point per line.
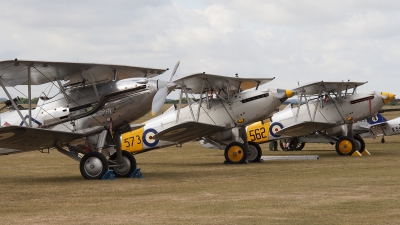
159 100
174 71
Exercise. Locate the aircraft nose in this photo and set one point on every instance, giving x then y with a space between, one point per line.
284 93
387 96
289 93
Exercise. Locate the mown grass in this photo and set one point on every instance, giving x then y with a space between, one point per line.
191 185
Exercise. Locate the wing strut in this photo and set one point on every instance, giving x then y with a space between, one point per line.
94 86
179 107
29 97
298 106
222 103
200 101
188 100
318 101
12 102
63 91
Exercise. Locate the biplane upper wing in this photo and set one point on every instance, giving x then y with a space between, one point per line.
15 72
195 82
304 128
187 131
15 139
314 87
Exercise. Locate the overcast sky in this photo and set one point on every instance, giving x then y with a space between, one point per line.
294 41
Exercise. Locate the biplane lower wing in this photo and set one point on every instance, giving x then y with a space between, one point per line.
187 131
304 128
16 139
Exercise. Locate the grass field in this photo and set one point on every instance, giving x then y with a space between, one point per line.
191 185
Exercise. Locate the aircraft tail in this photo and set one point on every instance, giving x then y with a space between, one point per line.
376 119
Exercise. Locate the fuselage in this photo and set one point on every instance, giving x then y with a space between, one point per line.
353 107
82 99
244 108
390 127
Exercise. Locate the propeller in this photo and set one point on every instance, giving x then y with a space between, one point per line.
174 71
159 100
164 89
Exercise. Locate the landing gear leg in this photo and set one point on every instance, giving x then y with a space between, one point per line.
128 164
125 160
346 145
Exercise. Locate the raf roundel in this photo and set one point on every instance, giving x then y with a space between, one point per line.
148 139
275 127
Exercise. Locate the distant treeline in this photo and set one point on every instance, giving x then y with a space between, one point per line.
24 101
176 101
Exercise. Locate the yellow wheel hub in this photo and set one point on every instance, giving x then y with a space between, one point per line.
235 153
345 146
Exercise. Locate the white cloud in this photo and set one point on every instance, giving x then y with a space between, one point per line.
292 40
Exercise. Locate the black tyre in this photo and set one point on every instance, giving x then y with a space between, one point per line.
235 153
360 143
293 144
281 145
300 146
129 164
345 146
93 166
254 153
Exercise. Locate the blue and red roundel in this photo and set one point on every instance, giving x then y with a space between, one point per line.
148 139
275 127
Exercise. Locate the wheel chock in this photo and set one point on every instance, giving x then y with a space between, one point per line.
136 174
109 175
365 152
356 153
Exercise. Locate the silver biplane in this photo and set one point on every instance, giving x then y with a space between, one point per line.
378 126
327 116
95 104
218 116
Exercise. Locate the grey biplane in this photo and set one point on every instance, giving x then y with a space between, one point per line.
327 116
222 108
378 126
93 105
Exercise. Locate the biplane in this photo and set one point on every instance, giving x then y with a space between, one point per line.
378 126
93 105
218 110
327 116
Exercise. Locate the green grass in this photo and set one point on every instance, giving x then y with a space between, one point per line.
191 185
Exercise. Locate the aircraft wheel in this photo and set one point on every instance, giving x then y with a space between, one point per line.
383 140
360 144
345 146
93 165
235 153
254 153
300 146
293 144
129 164
281 145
